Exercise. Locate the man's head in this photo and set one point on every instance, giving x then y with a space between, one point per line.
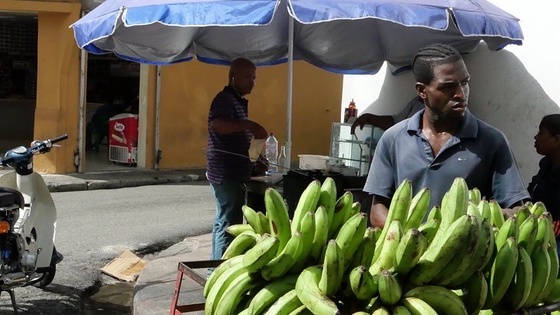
242 75
442 80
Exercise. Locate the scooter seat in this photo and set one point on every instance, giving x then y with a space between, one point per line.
9 196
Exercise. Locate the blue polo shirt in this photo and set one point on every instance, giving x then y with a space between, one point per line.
228 155
478 152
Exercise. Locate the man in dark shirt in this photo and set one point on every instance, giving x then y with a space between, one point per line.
229 167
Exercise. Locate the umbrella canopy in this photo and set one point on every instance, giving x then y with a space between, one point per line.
169 31
343 36
357 36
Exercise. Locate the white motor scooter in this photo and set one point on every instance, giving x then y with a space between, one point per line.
27 222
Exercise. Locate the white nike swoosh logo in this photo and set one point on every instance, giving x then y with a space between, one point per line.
461 159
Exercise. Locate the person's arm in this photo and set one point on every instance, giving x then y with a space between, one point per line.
509 212
379 210
227 126
383 122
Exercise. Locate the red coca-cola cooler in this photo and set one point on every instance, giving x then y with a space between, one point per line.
123 138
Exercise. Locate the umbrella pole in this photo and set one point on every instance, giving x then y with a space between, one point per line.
288 144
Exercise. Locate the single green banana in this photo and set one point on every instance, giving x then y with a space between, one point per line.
219 271
441 299
554 294
368 243
264 223
484 209
476 293
454 204
236 229
307 202
362 283
507 230
333 269
522 214
480 258
520 287
472 209
252 218
359 253
342 207
528 233
277 214
354 209
417 306
259 255
302 310
389 288
308 292
434 213
554 265
240 244
496 214
218 286
381 311
475 196
463 259
350 236
537 208
271 292
418 209
321 233
387 255
327 197
284 261
502 272
398 210
541 273
441 251
429 230
285 304
401 310
543 230
410 248
234 292
307 233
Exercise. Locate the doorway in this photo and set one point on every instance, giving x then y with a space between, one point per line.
18 78
110 113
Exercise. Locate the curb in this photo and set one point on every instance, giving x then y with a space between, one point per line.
62 183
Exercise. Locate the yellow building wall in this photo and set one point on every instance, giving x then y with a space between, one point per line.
57 102
187 89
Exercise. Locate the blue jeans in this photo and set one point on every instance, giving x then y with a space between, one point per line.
230 197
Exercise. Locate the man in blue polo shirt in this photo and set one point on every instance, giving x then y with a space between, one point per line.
443 141
229 167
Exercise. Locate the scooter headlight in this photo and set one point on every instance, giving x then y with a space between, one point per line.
4 227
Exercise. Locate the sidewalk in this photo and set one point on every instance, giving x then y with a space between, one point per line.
155 285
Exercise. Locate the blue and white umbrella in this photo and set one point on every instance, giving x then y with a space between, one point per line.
357 36
343 36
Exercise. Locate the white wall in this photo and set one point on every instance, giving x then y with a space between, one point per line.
511 89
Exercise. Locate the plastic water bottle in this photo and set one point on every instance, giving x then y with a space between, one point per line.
271 153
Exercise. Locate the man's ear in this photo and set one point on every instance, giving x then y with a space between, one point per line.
421 90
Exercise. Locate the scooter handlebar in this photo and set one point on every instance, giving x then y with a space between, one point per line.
59 138
21 154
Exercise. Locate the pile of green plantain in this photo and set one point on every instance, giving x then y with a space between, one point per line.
460 257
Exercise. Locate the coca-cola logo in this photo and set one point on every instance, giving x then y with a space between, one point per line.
119 127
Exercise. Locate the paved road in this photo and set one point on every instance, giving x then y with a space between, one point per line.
96 226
